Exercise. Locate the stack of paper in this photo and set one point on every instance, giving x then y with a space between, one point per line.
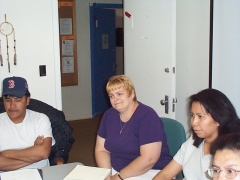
87 173
24 174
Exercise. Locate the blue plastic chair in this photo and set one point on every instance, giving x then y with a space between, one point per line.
176 136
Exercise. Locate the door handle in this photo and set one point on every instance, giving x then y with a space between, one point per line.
166 70
165 103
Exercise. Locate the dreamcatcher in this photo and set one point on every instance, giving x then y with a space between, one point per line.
6 28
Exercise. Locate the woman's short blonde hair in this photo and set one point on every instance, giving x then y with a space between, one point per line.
121 81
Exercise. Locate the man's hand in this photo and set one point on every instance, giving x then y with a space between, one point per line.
39 140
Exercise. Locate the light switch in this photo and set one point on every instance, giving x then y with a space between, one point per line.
42 70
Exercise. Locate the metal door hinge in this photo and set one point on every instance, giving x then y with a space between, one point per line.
174 104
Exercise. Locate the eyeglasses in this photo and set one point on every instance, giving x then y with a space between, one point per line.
228 173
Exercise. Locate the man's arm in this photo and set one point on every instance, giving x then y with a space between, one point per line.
7 164
32 154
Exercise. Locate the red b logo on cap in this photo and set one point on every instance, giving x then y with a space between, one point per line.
11 84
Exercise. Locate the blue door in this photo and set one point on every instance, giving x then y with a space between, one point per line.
103 55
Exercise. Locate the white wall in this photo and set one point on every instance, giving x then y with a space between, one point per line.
226 49
77 100
36 32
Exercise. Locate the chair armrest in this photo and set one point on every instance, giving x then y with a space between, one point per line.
58 160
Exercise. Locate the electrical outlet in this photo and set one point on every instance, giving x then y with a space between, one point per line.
42 70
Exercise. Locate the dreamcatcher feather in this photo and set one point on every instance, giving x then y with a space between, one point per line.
6 28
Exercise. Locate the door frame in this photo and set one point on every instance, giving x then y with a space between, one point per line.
91 8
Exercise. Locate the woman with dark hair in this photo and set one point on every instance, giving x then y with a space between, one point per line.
212 114
226 161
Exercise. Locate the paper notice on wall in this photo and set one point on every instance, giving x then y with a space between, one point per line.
67 47
68 65
65 26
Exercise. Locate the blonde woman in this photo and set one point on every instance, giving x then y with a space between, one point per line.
131 138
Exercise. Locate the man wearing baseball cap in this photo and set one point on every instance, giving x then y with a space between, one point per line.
25 135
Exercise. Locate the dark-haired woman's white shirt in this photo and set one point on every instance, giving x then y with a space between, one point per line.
194 163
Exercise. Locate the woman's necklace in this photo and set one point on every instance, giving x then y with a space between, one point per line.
122 127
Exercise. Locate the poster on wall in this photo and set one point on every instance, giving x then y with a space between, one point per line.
67 47
65 26
68 65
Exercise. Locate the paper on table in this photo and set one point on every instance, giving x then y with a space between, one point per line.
24 174
87 173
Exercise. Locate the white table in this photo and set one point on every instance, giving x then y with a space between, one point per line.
58 172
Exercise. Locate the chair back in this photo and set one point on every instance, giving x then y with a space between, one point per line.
176 136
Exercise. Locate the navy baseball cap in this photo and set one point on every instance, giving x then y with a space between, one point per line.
16 86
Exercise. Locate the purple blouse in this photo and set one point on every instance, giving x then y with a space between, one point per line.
144 127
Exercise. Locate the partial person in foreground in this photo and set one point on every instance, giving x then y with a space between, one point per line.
212 114
25 136
131 139
226 157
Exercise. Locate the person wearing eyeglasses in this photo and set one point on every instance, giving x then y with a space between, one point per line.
226 161
212 114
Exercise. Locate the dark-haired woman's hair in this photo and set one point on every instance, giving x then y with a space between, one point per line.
220 108
229 141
